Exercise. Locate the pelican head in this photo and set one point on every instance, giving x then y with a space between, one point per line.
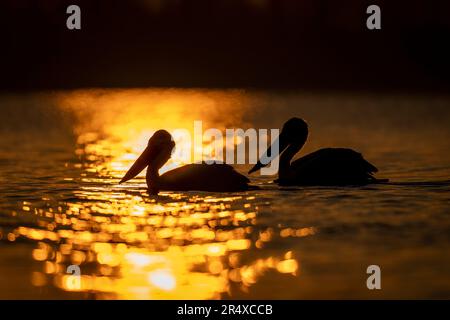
293 133
157 153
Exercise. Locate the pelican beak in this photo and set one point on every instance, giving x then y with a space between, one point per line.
256 167
140 164
277 147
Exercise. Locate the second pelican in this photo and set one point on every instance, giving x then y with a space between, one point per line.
329 166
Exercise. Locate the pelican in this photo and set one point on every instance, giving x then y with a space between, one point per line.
200 177
329 166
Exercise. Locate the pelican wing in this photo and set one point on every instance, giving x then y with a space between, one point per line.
331 166
213 177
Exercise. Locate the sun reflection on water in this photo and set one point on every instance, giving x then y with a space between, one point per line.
137 248
116 124
133 246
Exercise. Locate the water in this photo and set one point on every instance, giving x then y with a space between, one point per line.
62 154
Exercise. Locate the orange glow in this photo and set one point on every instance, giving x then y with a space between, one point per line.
128 118
132 246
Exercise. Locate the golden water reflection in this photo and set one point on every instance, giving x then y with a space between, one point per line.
133 246
136 248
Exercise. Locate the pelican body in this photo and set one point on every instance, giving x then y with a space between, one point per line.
200 176
327 167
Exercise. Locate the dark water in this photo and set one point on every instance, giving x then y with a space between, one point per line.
62 154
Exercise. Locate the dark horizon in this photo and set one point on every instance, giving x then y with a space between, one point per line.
309 44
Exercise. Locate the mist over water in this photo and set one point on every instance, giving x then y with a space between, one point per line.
62 154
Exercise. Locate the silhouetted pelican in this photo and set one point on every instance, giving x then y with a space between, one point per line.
201 177
329 166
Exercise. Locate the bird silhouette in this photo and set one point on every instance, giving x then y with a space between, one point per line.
329 166
214 177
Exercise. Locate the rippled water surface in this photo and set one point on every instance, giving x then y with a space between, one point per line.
63 153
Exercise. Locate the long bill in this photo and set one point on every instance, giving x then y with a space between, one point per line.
277 147
140 164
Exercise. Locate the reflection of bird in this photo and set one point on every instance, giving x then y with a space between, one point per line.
330 166
201 177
